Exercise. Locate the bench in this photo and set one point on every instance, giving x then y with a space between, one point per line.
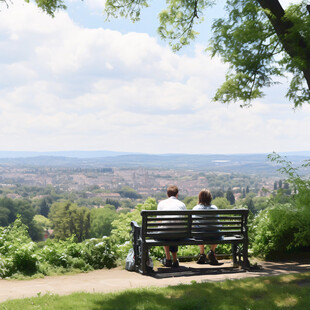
191 227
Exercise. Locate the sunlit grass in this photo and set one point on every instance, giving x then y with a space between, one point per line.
286 302
278 292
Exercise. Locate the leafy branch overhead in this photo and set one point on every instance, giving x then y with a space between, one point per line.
257 38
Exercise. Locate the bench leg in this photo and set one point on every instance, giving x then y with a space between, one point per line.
144 255
246 262
240 255
234 255
136 242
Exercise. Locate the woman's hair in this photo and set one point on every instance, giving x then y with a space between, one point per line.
205 197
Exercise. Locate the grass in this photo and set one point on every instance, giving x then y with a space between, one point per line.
278 292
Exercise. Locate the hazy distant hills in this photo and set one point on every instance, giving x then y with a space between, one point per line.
243 163
74 154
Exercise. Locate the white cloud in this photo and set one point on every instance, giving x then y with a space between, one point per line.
65 86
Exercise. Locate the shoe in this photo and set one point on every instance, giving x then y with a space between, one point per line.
202 259
175 264
167 262
211 257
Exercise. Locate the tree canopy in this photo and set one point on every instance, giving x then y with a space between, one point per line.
257 38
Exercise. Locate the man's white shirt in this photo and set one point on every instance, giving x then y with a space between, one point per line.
171 204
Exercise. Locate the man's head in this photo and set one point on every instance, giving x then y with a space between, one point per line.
172 190
205 197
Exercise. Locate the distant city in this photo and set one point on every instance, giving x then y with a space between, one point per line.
148 175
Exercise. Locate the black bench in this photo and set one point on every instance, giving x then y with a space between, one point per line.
191 227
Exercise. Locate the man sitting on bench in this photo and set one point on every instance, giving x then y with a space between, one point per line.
171 204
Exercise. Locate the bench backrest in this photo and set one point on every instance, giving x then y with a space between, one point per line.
193 224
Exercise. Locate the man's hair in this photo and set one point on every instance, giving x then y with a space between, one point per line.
205 197
172 190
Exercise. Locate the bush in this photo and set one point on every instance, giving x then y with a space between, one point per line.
99 253
19 255
24 258
6 266
280 228
283 227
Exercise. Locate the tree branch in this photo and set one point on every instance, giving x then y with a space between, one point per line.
295 46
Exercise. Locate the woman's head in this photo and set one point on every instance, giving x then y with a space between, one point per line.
205 197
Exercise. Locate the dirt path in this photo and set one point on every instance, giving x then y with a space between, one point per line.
105 281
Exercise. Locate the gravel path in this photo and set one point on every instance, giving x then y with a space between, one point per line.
118 279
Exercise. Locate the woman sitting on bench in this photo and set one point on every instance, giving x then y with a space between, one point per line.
204 203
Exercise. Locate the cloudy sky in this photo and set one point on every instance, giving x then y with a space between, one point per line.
76 82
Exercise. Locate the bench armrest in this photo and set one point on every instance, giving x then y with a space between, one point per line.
134 224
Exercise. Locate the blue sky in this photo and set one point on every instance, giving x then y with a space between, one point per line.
75 82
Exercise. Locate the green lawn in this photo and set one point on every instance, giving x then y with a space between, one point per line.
264 293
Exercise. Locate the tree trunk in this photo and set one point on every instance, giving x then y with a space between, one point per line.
295 46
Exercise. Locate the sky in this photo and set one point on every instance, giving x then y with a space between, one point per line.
76 82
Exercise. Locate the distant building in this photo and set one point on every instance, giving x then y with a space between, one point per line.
48 233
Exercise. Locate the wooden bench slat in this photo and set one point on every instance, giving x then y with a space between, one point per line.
195 222
193 241
159 219
166 229
168 236
194 212
166 224
203 217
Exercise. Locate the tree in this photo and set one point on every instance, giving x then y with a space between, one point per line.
280 184
128 192
190 202
230 196
113 202
68 219
221 203
217 193
101 222
257 38
44 207
44 222
7 211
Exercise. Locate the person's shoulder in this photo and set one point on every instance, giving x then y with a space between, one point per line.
203 207
179 204
198 207
161 204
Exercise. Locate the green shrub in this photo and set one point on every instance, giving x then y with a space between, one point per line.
99 253
283 227
54 254
6 266
19 255
280 228
24 258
